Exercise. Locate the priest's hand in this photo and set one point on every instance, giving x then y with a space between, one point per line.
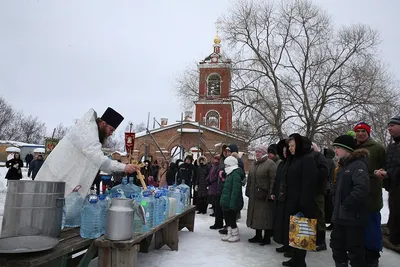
130 168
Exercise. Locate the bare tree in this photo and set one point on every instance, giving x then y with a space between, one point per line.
60 131
114 143
7 120
187 87
32 130
294 72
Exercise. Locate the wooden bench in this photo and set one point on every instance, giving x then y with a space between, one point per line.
60 256
124 253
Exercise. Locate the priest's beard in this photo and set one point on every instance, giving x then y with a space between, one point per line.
102 135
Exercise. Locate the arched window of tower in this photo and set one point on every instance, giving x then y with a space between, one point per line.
214 85
212 119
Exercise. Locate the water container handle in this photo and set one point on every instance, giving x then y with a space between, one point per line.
76 189
139 211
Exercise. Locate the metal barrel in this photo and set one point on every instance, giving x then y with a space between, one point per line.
33 208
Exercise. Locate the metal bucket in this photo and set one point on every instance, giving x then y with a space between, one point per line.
33 208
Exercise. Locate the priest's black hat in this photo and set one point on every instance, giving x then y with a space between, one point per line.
112 118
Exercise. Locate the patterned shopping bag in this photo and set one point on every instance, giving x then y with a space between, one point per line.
303 232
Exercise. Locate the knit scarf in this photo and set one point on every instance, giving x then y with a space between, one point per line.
230 169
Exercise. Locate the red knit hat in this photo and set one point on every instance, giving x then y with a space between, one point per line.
362 125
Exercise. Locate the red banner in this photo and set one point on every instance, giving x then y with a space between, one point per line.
129 142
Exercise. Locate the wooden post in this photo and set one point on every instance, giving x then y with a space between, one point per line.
110 257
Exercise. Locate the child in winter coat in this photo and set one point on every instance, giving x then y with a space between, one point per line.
350 203
232 198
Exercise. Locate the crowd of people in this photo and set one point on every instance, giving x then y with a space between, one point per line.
339 186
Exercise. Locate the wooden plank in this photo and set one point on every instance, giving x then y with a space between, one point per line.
170 235
187 219
103 242
68 246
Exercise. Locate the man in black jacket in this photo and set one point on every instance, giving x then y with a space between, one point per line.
35 166
350 204
391 180
322 180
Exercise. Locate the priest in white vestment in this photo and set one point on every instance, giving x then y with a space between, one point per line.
78 156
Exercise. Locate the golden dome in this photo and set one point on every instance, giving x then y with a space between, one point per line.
217 39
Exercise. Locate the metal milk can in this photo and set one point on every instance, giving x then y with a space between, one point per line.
119 220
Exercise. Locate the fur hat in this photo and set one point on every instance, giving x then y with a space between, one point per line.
362 125
345 141
112 118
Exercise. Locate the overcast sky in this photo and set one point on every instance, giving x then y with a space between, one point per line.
60 58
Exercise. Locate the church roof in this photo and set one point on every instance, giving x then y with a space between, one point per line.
192 123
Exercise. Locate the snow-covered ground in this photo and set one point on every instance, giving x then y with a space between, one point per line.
204 247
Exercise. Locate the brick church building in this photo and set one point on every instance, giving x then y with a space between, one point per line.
212 125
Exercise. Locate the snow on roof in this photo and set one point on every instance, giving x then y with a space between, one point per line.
13 149
193 123
189 130
39 150
19 144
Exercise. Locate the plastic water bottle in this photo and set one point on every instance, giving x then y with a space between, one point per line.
91 220
73 208
134 187
137 223
148 205
185 189
103 205
175 192
158 209
165 203
126 189
64 214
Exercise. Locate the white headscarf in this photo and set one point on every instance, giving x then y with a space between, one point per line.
231 163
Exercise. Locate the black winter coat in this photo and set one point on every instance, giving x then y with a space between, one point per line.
392 185
186 172
297 190
201 175
34 167
351 192
14 172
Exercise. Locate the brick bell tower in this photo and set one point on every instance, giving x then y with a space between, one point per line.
214 107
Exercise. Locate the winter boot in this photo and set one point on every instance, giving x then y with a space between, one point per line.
289 262
223 231
341 264
257 238
216 227
228 235
235 236
267 238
